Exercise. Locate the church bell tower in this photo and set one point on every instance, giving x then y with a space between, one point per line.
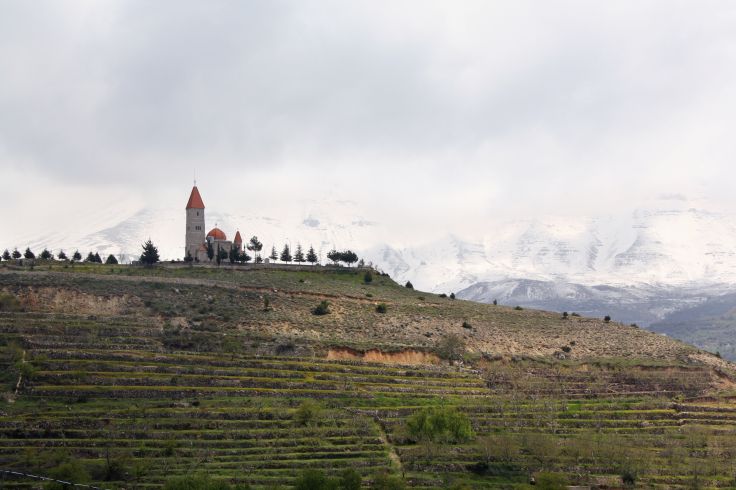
195 237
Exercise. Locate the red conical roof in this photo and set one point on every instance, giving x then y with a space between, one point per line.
237 238
195 200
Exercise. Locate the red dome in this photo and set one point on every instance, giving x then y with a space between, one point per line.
217 234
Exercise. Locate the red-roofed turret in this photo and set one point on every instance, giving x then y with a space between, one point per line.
237 239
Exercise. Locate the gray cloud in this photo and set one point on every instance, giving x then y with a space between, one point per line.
463 107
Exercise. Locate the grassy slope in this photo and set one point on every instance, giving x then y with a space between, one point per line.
180 370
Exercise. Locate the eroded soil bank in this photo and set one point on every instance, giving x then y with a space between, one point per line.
408 356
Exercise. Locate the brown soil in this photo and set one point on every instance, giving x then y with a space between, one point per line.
59 300
410 356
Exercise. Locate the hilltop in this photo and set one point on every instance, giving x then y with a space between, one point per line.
175 370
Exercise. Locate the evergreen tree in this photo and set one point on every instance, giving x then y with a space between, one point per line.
233 255
218 255
150 253
286 254
255 246
312 256
98 259
349 257
274 255
46 255
77 256
28 254
409 285
188 257
244 257
334 256
111 260
62 255
6 255
17 254
210 251
90 258
299 255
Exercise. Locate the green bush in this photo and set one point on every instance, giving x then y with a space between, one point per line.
409 285
385 481
551 481
349 479
8 302
368 277
315 480
381 308
308 413
71 471
322 309
196 482
440 424
450 347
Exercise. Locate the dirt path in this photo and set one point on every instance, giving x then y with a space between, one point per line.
20 375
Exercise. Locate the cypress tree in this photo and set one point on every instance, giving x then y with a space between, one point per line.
210 251
286 254
90 257
62 255
311 256
6 255
17 254
98 259
274 255
46 255
28 254
111 260
188 257
299 255
77 256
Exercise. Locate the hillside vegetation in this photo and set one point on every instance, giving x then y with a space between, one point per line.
125 377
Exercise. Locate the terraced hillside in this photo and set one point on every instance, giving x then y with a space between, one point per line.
125 376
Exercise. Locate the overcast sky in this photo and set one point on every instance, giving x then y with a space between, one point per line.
438 113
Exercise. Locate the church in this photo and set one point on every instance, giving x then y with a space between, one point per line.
196 241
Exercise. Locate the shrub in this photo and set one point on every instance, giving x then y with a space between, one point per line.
440 424
381 308
313 479
628 477
368 277
607 318
450 347
495 302
467 325
564 315
308 413
518 308
409 285
8 302
385 481
322 309
452 295
443 295
349 479
566 348
195 482
71 471
574 314
551 481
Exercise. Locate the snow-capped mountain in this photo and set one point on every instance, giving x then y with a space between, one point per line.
667 246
